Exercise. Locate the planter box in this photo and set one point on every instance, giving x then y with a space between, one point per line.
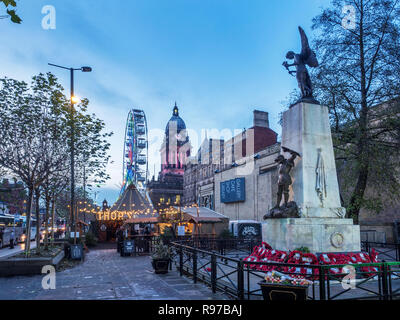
29 266
160 265
283 292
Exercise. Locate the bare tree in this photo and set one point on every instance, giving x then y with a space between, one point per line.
358 44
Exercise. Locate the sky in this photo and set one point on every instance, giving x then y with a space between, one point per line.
218 59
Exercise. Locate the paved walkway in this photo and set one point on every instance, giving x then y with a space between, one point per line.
6 251
106 275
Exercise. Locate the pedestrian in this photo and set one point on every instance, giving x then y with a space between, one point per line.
12 238
120 239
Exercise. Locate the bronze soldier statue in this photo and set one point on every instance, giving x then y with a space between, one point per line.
285 180
289 209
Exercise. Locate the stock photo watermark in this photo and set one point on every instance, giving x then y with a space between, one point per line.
349 281
49 280
349 20
49 19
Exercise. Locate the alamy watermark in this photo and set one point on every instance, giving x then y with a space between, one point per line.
49 280
349 281
49 20
349 20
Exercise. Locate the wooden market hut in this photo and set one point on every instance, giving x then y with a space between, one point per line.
203 222
131 209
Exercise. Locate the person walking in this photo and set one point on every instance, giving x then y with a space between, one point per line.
120 239
12 239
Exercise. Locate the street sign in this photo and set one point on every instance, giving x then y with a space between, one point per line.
181 231
129 247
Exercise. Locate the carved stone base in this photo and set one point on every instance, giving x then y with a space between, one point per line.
291 211
317 234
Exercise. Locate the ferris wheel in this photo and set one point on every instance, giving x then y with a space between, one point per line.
135 157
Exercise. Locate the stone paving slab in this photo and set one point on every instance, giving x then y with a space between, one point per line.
106 275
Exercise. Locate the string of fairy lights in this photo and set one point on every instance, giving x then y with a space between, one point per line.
109 214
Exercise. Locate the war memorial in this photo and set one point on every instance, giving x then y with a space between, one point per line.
312 215
256 215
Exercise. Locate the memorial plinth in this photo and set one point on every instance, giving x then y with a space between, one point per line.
315 189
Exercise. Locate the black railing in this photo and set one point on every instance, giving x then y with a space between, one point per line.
386 251
239 278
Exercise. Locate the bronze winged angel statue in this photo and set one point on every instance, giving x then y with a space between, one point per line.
306 58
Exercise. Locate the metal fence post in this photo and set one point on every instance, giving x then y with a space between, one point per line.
385 290
398 251
322 290
213 273
180 261
240 280
194 265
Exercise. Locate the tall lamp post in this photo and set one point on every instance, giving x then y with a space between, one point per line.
74 100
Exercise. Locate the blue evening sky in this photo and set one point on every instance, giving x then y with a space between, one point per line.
219 59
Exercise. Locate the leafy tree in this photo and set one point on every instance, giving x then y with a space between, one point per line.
9 4
31 130
35 124
358 79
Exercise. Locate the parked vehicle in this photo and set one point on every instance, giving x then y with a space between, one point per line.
245 229
9 224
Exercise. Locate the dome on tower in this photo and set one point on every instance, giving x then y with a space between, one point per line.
175 122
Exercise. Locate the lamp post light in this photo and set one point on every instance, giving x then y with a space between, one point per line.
74 100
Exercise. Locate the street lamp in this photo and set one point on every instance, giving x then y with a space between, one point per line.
74 100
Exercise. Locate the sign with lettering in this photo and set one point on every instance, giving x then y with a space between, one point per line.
129 246
233 190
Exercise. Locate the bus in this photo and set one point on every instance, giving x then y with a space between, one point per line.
8 224
33 228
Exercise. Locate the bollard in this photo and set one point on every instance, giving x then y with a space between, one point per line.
213 273
181 261
194 266
240 280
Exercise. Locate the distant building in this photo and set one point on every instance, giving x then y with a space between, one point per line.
215 156
167 190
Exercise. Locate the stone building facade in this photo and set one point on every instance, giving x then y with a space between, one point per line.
260 173
215 155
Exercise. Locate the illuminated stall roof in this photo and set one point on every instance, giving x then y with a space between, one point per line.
204 215
131 207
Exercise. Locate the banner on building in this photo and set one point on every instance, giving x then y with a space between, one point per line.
233 190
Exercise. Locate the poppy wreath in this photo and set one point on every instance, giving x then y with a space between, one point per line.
250 259
272 256
261 251
334 259
366 258
266 245
298 257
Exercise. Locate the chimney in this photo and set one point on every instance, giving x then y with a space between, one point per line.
261 119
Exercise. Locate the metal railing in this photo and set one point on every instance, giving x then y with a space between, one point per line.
389 251
239 279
